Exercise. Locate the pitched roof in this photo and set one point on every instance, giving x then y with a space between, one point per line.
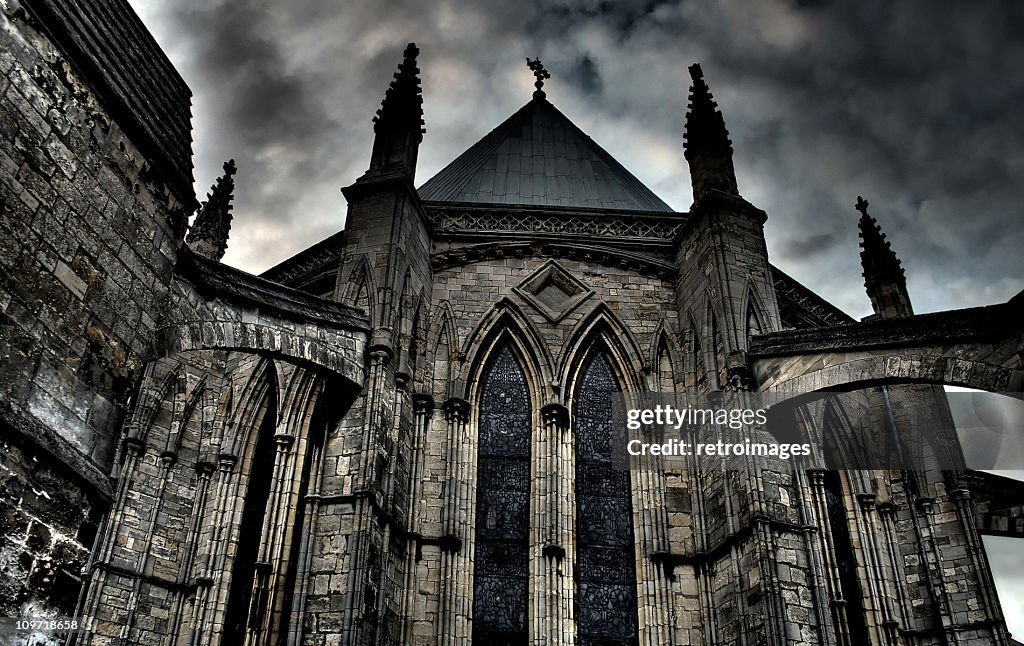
539 157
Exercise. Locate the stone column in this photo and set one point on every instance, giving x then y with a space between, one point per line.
828 556
961 497
423 410
456 602
553 548
212 574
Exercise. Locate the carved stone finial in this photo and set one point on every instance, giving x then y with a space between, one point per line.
541 73
398 126
862 205
884 277
209 233
706 143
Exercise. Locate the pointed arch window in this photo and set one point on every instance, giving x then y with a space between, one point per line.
501 564
606 605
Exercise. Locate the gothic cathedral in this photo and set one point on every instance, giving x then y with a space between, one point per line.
412 432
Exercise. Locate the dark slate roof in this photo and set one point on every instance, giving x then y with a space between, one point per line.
115 54
539 157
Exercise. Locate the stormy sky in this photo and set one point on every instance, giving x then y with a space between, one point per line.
914 105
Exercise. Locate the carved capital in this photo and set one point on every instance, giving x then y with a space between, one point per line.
381 349
554 552
134 446
866 500
284 440
816 476
961 495
924 505
456 409
450 543
423 404
557 414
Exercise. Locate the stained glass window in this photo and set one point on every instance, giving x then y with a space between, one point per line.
502 506
606 608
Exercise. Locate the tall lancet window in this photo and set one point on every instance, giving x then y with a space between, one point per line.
606 568
502 506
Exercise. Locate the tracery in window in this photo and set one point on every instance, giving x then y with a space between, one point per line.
606 607
501 565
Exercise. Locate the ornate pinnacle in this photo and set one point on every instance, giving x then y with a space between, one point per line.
884 277
209 233
879 260
706 142
705 125
862 206
541 73
402 107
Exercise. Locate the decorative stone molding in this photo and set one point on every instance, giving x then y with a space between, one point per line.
613 224
553 291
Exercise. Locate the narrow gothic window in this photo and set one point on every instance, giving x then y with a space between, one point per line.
606 567
502 506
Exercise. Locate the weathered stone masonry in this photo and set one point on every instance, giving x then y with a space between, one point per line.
195 455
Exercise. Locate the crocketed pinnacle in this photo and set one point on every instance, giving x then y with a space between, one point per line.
398 126
706 143
705 125
402 107
209 233
876 256
884 278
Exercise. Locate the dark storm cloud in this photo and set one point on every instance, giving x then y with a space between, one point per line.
911 104
813 245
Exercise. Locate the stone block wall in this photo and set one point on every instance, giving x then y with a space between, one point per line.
88 239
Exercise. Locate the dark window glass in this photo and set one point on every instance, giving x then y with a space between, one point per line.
501 565
605 569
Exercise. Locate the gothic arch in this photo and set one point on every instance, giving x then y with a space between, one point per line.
255 400
625 358
895 369
150 401
754 314
605 569
184 409
694 361
503 442
506 320
360 289
418 341
664 340
441 360
713 358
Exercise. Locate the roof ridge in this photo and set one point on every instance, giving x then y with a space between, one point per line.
539 157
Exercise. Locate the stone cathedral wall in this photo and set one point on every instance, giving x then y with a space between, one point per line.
89 233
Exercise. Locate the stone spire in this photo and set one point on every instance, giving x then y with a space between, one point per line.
209 233
884 279
398 125
708 149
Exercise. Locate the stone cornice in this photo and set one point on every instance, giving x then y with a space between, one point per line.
608 256
972 324
233 285
645 226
